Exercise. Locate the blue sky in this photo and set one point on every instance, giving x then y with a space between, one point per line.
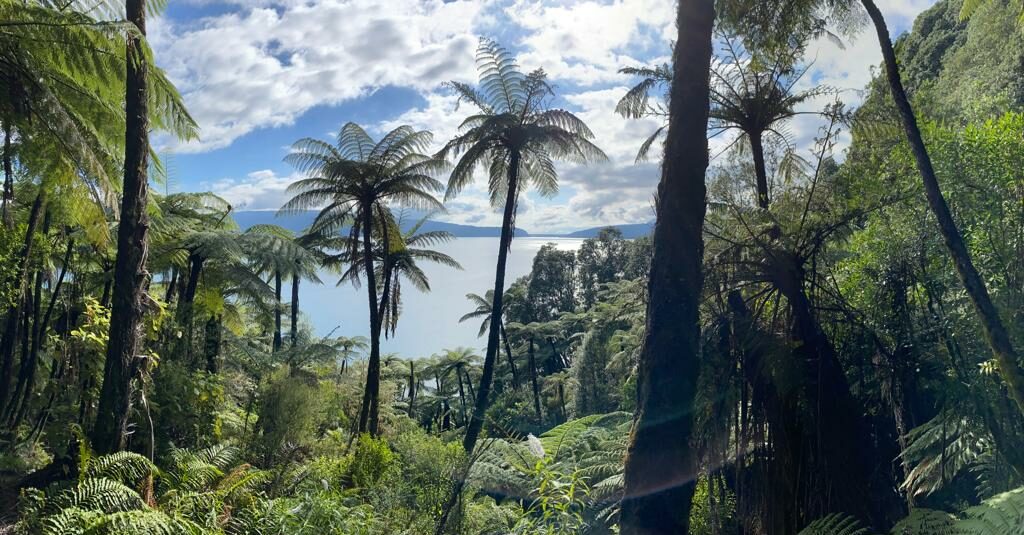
260 74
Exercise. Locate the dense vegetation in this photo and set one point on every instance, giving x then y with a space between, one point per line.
814 340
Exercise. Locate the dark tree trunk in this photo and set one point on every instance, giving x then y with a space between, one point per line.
469 384
295 310
511 361
561 401
412 388
212 343
369 414
533 379
462 394
995 332
11 334
108 286
476 423
277 312
661 466
130 266
757 148
8 194
30 344
39 334
482 395
186 302
169 296
840 453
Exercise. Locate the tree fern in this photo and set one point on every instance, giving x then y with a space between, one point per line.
835 524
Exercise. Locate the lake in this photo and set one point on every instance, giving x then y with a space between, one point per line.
430 321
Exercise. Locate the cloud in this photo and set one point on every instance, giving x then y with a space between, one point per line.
259 190
265 63
264 66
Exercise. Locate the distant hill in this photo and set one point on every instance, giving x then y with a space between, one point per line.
299 222
631 231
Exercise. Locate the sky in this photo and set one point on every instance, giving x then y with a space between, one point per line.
258 75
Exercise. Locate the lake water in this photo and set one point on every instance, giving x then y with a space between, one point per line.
430 321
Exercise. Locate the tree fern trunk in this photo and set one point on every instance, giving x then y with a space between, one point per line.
130 266
661 467
368 414
484 392
8 193
757 148
995 332
511 361
295 310
11 334
277 311
533 379
39 334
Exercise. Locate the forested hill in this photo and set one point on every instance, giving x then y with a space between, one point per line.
302 220
965 71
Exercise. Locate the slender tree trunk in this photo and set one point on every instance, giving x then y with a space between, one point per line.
368 415
462 394
995 332
29 349
277 312
295 310
476 423
482 395
757 147
186 302
661 466
130 266
8 195
511 361
212 342
533 379
169 295
39 334
412 388
10 337
469 384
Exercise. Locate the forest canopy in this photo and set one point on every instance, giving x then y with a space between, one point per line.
816 337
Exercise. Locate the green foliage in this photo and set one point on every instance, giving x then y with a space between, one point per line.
835 524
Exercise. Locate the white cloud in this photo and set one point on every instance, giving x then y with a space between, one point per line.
259 190
273 60
266 66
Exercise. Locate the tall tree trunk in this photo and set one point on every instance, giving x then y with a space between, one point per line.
169 295
511 361
32 316
39 334
130 266
412 387
661 467
757 148
8 194
10 337
462 394
995 332
482 395
277 312
476 423
368 415
469 384
295 310
532 363
212 342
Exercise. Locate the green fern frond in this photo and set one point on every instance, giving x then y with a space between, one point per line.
836 524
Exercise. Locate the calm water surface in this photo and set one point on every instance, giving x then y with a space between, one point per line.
430 321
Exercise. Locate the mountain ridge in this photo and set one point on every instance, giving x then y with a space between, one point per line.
302 220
